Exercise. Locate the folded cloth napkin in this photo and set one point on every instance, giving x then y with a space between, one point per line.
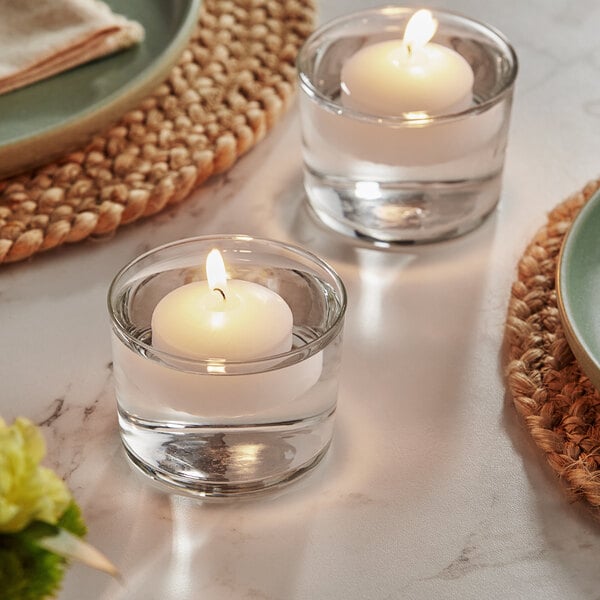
39 38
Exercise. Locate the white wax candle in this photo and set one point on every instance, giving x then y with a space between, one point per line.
250 322
233 320
393 78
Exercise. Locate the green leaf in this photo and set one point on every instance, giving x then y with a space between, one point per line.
28 571
72 520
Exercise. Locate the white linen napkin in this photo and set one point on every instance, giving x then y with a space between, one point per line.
39 38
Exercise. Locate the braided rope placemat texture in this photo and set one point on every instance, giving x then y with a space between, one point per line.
232 83
557 403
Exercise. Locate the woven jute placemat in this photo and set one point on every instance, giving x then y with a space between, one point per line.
557 403
232 83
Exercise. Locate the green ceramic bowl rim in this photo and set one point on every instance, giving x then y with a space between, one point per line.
576 339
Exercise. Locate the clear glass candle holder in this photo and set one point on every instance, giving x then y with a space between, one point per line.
410 178
219 428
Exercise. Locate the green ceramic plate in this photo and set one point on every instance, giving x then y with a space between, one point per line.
42 121
578 287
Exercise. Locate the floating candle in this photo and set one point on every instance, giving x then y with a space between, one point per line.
222 319
408 77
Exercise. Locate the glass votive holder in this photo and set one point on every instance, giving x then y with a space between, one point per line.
219 428
418 176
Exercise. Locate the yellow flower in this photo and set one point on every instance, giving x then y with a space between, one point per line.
28 491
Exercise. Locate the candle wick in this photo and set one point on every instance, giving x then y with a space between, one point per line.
409 50
220 292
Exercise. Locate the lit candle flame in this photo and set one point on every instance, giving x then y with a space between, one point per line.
419 30
215 273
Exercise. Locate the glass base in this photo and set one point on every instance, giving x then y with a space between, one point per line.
401 212
216 462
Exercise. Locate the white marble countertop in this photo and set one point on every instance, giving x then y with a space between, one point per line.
431 489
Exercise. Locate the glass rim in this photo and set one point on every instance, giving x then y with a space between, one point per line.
177 362
500 40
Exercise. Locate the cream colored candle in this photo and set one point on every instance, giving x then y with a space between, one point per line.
222 319
400 77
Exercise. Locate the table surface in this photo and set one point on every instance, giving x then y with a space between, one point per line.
432 488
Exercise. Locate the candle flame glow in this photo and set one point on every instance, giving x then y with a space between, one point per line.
419 30
215 272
